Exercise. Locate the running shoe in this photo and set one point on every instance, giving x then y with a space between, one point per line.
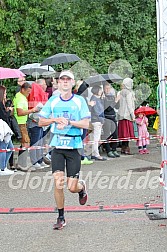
83 196
59 224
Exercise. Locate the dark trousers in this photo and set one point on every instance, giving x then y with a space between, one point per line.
110 130
11 160
125 143
36 139
22 157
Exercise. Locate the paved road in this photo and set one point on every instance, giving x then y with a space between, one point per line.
125 181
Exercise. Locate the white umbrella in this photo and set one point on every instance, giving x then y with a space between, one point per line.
35 69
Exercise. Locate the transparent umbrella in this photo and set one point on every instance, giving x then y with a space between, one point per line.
35 69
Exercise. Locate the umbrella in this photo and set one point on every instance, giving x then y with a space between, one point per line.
9 73
60 58
145 110
100 78
35 69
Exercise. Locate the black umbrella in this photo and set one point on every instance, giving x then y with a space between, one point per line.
101 78
60 58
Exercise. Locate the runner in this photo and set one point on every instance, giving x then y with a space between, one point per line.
68 115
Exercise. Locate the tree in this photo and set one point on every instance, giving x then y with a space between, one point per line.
99 32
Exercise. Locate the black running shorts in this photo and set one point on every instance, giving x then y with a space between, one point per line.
71 159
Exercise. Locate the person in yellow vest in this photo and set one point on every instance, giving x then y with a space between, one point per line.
21 113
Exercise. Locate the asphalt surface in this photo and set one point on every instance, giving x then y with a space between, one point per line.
121 182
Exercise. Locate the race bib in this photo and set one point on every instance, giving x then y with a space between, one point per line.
65 142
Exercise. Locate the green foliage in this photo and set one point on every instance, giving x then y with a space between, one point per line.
98 31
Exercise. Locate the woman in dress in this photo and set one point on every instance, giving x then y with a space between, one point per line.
126 114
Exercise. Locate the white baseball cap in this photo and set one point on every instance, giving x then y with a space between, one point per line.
66 73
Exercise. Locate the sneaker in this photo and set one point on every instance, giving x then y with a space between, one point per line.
86 161
37 166
59 224
99 158
145 151
40 166
32 168
6 171
111 154
22 168
116 154
141 152
47 159
83 198
44 165
13 168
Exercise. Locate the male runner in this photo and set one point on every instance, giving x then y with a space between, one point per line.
68 115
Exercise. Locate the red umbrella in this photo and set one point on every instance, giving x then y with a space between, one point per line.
8 73
145 110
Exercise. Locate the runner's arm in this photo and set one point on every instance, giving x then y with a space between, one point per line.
47 121
83 124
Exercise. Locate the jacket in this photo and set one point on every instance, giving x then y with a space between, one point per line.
127 105
4 115
37 95
109 105
5 132
97 111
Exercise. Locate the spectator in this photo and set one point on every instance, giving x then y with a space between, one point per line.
143 134
82 90
21 113
36 133
110 127
49 88
97 120
126 114
5 125
20 82
57 88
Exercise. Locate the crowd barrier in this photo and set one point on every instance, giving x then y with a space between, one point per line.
86 142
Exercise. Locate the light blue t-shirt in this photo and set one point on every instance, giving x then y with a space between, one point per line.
74 109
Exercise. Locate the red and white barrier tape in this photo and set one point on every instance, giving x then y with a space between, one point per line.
86 142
